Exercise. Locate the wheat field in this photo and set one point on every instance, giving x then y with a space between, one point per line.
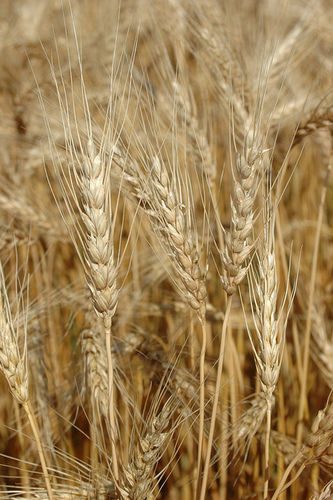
166 249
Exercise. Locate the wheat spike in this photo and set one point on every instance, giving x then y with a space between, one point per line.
139 483
100 267
320 440
178 240
12 363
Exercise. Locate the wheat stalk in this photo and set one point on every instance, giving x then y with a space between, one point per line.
93 234
22 210
311 299
220 60
238 248
268 354
284 445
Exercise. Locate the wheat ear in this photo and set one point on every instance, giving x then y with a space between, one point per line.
14 367
197 136
238 246
139 482
96 215
251 419
322 118
177 240
221 62
320 440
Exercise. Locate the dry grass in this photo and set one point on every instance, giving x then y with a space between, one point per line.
166 249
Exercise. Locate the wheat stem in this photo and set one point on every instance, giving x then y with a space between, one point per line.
307 335
25 475
216 398
267 441
111 404
280 488
36 433
202 397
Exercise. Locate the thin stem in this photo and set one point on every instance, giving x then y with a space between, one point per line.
202 397
35 430
111 403
289 483
223 462
191 342
286 474
307 336
267 439
216 397
25 475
